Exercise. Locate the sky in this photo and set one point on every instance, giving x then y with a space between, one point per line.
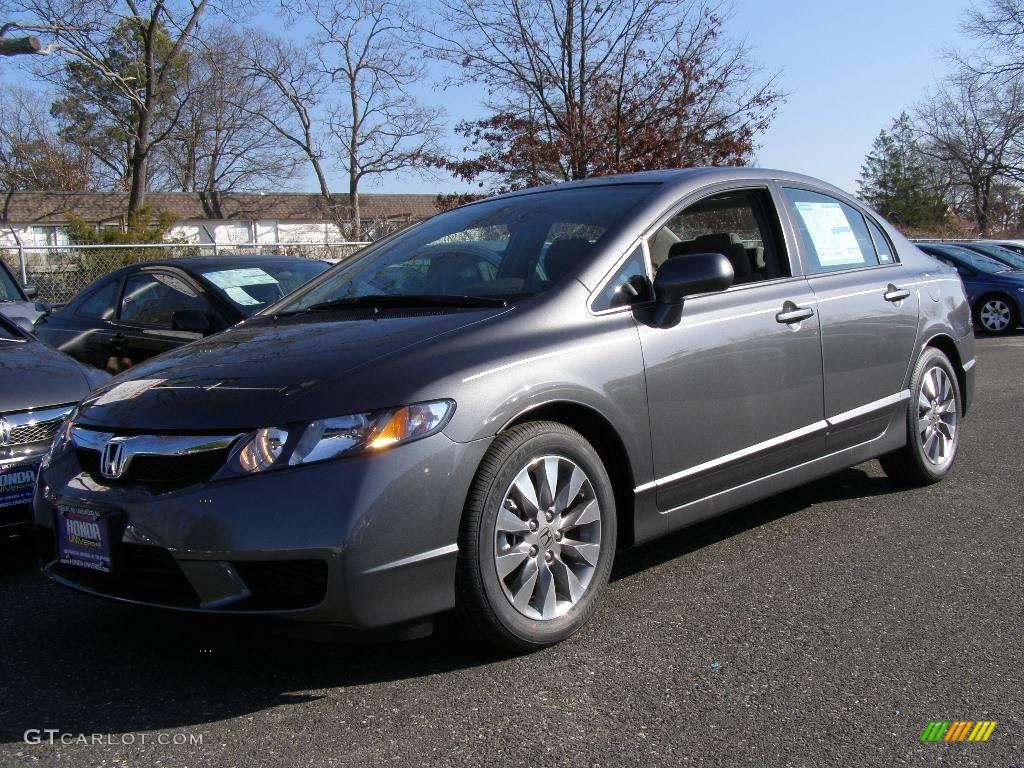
849 69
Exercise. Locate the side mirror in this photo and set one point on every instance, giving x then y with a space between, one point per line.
31 291
191 321
684 276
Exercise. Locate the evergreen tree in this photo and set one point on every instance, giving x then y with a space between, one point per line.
897 181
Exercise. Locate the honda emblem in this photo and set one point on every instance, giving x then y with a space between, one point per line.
113 460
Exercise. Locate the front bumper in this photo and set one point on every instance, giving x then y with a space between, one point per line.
367 541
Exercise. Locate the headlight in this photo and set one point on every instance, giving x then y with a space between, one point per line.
60 441
271 448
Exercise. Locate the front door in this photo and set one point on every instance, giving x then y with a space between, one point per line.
144 325
735 389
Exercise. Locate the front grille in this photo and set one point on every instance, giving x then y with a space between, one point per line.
159 472
40 432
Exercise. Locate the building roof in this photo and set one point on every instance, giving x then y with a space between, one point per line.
103 207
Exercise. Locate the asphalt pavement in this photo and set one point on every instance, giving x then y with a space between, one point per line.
825 627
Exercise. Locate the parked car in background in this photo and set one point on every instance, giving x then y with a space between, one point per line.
38 388
145 309
17 302
995 290
1001 253
1017 246
477 412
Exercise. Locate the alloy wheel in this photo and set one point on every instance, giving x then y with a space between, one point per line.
547 538
995 315
938 416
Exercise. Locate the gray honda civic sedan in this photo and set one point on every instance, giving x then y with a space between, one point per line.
478 412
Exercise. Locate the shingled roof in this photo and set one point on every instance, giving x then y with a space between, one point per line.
104 207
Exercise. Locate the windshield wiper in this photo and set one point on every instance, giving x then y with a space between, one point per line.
407 300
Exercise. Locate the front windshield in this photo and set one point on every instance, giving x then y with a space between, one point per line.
256 285
975 260
502 248
8 289
1004 255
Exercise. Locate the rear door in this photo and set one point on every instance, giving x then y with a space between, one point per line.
735 389
868 309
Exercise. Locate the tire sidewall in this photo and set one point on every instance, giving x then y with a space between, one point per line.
525 630
1014 317
930 359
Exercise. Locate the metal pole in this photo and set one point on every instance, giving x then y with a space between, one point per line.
21 255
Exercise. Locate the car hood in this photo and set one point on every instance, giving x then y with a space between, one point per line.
33 375
264 371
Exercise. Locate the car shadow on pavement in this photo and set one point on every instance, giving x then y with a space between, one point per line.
86 665
848 484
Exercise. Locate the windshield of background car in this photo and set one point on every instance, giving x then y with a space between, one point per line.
253 286
8 288
977 260
1005 255
504 248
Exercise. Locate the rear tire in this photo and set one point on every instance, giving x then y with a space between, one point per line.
932 422
996 314
537 539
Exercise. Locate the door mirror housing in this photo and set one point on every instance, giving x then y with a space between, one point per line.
191 321
684 276
31 291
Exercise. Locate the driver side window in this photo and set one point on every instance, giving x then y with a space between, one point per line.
739 224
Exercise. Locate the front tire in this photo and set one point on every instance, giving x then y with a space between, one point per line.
537 539
996 314
933 423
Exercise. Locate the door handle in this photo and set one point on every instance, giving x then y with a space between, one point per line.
892 293
791 314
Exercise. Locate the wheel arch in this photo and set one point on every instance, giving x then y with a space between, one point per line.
605 439
948 347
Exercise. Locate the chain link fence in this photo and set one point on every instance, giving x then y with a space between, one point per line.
59 273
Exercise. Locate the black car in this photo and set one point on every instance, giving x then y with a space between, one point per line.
38 388
140 311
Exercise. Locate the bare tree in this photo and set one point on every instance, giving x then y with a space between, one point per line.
32 154
297 84
380 128
216 145
603 87
84 31
998 25
972 126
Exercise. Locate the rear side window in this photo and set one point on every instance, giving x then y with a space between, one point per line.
100 304
885 251
835 235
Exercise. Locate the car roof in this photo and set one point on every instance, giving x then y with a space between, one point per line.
675 176
222 262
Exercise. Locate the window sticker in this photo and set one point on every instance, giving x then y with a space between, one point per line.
831 233
239 296
239 278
